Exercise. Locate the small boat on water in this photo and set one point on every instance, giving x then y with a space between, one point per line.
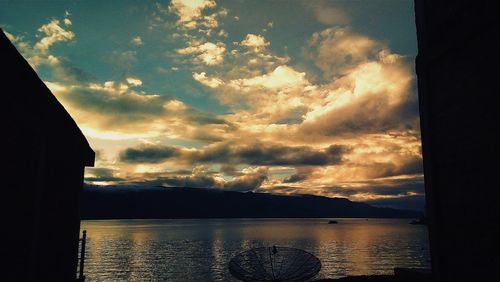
333 222
420 221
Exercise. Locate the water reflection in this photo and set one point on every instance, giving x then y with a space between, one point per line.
188 250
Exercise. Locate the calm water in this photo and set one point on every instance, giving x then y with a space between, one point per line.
199 250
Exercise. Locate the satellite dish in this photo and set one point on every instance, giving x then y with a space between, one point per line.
274 264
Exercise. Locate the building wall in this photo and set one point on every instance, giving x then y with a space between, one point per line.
457 69
59 221
43 153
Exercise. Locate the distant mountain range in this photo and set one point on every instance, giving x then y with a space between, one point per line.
174 202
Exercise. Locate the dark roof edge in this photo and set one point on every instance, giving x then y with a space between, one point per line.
87 154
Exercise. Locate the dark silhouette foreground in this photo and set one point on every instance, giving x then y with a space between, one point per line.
457 69
46 155
274 264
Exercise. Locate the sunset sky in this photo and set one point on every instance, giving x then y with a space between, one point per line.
290 97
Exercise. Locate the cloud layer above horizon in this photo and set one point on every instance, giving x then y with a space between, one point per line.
309 98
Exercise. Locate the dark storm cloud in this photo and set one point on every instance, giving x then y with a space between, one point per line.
254 154
376 110
67 72
263 154
204 135
200 117
119 107
410 167
122 109
408 110
167 174
371 114
249 181
295 178
149 154
302 174
103 179
414 166
229 170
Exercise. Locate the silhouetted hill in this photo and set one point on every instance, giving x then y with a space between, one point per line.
114 203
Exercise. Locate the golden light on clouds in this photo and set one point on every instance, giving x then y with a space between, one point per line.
193 101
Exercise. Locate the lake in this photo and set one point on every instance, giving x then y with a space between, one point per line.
200 249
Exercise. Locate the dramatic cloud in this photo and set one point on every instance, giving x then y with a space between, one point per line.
198 98
38 54
190 11
251 154
248 179
251 179
114 102
366 101
134 81
336 51
254 42
149 154
302 174
407 167
260 154
101 175
271 97
119 112
281 78
207 53
211 82
53 33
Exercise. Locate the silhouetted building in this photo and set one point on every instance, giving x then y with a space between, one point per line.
457 68
43 175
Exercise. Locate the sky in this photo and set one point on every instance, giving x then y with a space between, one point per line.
285 97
